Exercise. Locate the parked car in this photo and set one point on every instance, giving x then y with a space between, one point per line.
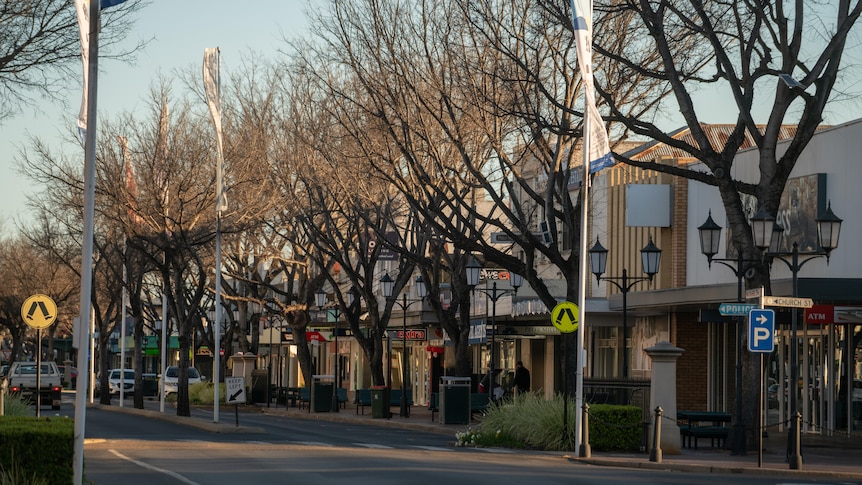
116 378
24 376
172 375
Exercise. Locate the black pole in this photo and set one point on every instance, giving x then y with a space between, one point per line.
739 445
493 335
334 407
793 452
405 410
625 291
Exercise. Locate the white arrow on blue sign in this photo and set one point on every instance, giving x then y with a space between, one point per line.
736 309
761 330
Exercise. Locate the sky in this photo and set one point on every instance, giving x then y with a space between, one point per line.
179 30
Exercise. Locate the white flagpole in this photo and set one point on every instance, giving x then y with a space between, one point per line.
212 88
87 243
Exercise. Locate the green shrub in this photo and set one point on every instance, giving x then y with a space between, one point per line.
14 405
532 421
202 393
14 475
37 448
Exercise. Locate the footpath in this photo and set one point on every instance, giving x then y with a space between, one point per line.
824 457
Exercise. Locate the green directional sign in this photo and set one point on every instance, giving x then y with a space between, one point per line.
736 309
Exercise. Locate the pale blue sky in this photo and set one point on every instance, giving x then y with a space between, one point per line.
180 30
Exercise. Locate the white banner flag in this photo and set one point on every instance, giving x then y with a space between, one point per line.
211 73
582 21
82 8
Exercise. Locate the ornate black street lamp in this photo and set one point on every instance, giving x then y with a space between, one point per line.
473 269
767 237
404 304
650 259
320 297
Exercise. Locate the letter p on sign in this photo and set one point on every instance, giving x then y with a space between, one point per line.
761 331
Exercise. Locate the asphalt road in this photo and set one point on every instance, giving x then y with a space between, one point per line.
127 449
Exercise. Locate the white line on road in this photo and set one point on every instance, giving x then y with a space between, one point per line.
495 450
155 468
374 445
433 448
312 443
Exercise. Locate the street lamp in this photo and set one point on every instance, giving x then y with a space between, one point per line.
473 269
650 259
404 304
828 230
320 297
710 239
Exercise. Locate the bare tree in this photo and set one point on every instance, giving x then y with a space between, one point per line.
40 47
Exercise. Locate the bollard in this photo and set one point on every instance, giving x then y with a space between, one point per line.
3 387
655 452
796 451
584 450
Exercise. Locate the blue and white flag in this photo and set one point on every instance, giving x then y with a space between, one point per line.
103 4
599 153
212 81
82 9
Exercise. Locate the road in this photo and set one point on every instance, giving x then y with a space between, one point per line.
129 449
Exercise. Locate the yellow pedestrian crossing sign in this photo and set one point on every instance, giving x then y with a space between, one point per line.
39 311
565 317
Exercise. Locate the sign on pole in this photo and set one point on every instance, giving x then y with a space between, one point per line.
39 311
234 390
761 330
788 301
735 309
565 317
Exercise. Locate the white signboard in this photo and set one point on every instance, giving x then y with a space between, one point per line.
234 390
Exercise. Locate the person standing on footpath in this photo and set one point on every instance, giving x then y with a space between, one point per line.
522 378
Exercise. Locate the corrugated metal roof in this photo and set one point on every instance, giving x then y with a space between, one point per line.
718 134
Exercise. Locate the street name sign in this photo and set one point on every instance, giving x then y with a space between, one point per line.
736 309
753 293
234 390
788 301
761 330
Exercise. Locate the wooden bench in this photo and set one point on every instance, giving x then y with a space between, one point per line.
693 425
479 402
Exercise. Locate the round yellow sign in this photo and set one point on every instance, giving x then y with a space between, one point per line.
565 317
39 311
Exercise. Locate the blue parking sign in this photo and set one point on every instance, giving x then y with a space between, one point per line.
761 330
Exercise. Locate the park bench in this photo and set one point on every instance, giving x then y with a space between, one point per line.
362 398
703 424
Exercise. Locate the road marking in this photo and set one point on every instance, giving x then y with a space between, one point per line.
154 468
495 450
313 443
374 445
432 448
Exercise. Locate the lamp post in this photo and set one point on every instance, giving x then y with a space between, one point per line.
473 269
320 297
404 304
710 240
767 235
828 230
650 259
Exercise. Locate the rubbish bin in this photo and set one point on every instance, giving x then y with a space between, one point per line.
454 400
380 402
259 385
149 384
322 387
